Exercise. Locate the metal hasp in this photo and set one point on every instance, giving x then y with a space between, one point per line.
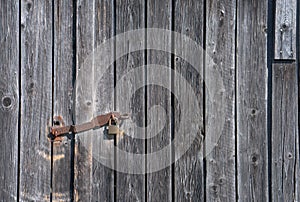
58 130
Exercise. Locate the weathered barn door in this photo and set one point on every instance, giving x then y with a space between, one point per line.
211 87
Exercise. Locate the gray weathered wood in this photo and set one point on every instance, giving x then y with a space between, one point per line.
236 169
94 96
9 99
285 133
103 176
130 16
189 173
159 183
285 29
36 100
84 100
63 99
220 54
252 146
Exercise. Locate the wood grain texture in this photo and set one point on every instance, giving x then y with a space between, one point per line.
37 81
220 50
189 173
103 176
159 187
285 133
252 146
94 96
9 99
130 15
62 162
285 29
84 111
36 100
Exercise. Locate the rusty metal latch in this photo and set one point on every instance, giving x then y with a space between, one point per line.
58 130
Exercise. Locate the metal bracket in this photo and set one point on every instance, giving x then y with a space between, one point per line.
58 122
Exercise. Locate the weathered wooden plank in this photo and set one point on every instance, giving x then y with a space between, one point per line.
130 16
62 160
252 147
285 29
285 133
189 173
94 96
84 97
9 99
36 100
220 54
159 185
103 175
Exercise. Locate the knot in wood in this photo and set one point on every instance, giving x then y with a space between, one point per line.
254 159
7 102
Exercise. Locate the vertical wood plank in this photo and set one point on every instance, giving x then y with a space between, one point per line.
285 29
252 146
220 47
84 97
189 173
103 176
159 186
285 133
94 96
36 100
63 99
9 99
130 16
